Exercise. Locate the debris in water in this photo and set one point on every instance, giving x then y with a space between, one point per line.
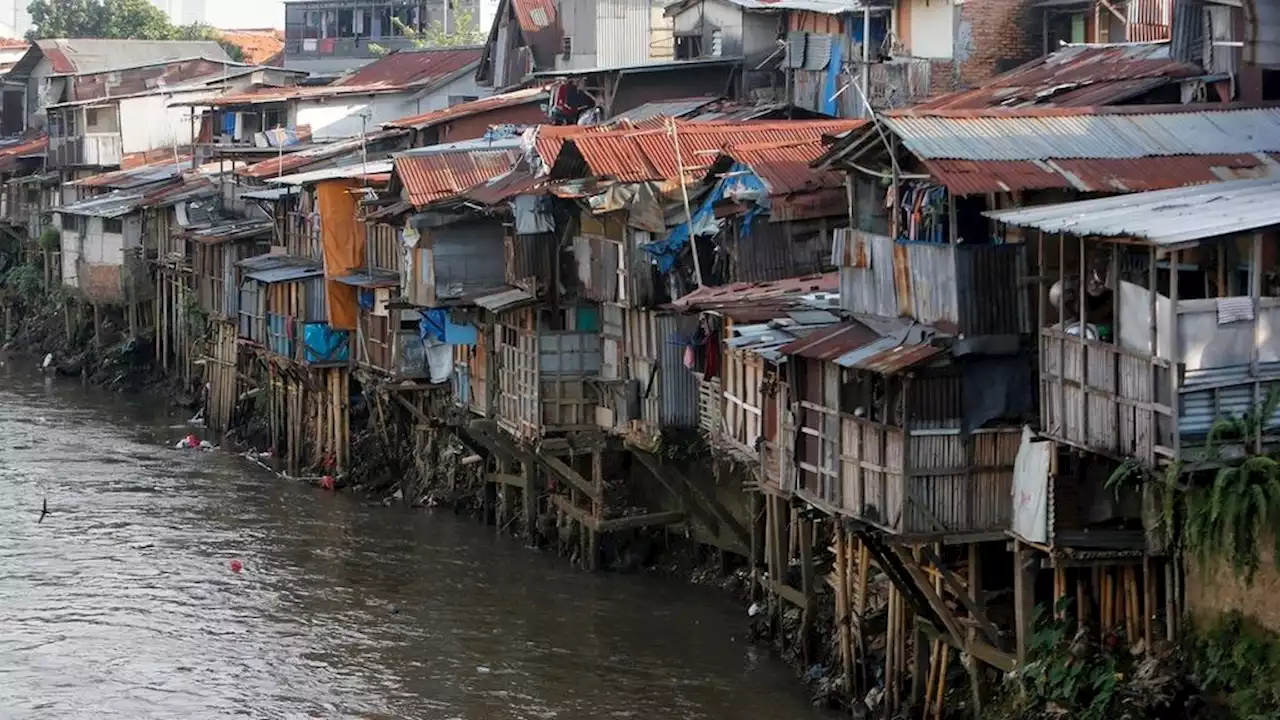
48 360
754 610
236 566
327 482
188 442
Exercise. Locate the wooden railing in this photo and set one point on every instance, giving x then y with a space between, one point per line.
1105 398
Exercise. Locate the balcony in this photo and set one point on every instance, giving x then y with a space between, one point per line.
94 150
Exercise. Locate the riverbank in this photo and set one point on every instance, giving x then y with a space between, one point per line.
444 472
392 471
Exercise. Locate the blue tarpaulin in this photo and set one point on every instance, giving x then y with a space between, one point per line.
831 103
324 344
669 248
437 326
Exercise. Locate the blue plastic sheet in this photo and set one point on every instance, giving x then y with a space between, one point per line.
324 344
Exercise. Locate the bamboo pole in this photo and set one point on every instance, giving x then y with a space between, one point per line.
942 680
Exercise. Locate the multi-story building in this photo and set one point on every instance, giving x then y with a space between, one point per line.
335 36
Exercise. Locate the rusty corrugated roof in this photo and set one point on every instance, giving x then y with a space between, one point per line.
504 187
467 109
642 155
776 292
431 177
139 175
1075 76
410 68
970 177
831 342
11 152
786 168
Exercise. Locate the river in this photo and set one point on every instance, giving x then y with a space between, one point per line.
121 603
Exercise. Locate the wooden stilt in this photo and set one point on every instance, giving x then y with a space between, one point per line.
1148 599
808 617
1023 599
842 607
597 510
530 501
942 682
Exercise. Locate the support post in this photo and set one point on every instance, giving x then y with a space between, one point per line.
1023 599
807 587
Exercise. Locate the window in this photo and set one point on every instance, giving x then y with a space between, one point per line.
112 225
459 99
688 47
70 223
273 118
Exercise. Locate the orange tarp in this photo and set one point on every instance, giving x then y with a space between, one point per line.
343 249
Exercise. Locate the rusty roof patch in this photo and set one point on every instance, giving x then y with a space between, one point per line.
467 109
11 152
437 176
971 177
790 292
411 68
1074 76
831 342
504 187
786 167
139 175
645 155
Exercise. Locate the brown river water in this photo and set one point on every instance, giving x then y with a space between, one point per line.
121 603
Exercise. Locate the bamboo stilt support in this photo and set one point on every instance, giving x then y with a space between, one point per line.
942 681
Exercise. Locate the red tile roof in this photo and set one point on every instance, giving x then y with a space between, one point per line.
637 156
259 46
467 109
435 176
409 68
1075 76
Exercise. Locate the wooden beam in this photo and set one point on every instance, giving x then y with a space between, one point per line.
953 584
573 477
926 590
712 505
568 508
997 659
635 521
506 479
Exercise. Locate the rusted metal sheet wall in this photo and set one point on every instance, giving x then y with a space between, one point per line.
989 293
530 259
596 259
677 388
622 32
1148 20
926 282
777 250
866 275
939 499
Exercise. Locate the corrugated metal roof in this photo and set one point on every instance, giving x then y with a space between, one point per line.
409 68
643 155
11 152
1163 217
283 274
791 293
370 278
429 178
231 230
293 161
831 342
786 168
504 299
138 176
969 177
826 7
111 205
886 356
725 61
675 108
504 187
467 109
269 262
1087 133
1074 76
88 55
335 173
271 194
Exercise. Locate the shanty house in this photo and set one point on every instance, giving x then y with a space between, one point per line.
472 120
529 36
104 250
401 84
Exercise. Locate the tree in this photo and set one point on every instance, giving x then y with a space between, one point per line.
466 31
123 19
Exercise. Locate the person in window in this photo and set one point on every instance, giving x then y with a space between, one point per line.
568 101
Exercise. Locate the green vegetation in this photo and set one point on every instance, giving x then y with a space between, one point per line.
50 239
466 32
1220 505
1236 662
123 19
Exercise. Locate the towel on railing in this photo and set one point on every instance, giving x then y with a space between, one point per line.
1234 309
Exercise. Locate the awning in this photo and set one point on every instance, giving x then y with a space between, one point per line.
370 279
284 274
